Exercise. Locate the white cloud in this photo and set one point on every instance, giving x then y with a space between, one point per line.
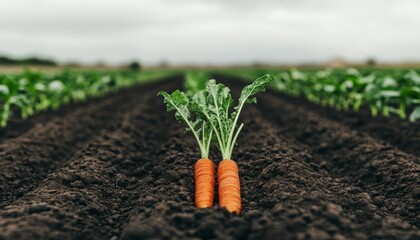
205 31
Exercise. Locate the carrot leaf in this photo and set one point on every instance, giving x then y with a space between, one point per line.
179 102
214 104
195 81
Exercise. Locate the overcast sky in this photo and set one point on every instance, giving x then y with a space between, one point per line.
215 32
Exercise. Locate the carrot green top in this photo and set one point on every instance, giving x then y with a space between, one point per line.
214 103
208 111
180 103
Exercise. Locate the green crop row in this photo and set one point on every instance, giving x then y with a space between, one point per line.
386 92
30 92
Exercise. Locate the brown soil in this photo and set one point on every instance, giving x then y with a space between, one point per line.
121 167
399 133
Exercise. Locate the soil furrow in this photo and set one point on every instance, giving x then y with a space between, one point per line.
89 197
18 126
305 186
405 137
303 176
28 159
389 176
283 195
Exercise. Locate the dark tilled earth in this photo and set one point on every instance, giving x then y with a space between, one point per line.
121 167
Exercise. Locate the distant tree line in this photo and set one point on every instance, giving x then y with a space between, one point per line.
27 61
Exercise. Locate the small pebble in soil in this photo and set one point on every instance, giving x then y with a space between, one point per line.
365 197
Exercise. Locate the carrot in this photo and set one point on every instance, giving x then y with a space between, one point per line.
204 183
207 112
213 105
229 186
202 131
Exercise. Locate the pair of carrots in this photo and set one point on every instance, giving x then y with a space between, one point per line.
228 183
206 109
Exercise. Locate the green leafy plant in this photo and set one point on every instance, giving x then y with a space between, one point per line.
208 111
11 96
31 92
384 91
195 81
214 104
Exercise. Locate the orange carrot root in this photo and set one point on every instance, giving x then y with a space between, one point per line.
204 183
229 186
